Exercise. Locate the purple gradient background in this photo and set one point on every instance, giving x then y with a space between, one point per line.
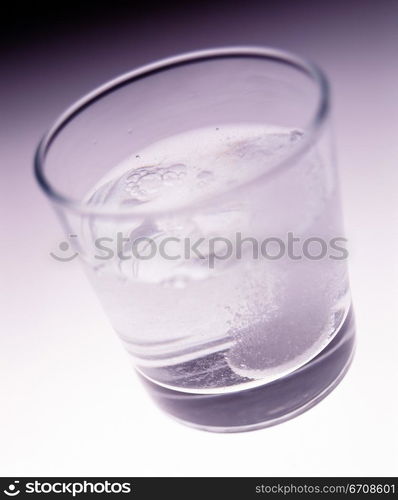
72 404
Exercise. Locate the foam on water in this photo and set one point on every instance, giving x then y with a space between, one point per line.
193 164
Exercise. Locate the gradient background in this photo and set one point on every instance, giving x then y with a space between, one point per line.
71 403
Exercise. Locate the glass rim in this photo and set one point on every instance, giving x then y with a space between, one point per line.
313 126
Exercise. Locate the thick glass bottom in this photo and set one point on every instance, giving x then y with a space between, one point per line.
268 404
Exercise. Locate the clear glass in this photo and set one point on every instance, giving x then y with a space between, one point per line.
202 197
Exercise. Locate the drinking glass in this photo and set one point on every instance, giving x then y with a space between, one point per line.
201 195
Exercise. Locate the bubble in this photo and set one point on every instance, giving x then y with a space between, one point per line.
176 282
170 177
295 135
133 178
150 182
205 175
179 169
147 182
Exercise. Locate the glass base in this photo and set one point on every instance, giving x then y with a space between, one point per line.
268 404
